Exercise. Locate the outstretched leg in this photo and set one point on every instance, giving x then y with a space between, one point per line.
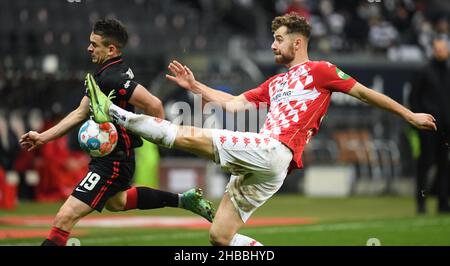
156 130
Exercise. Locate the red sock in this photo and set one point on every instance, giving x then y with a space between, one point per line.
131 199
58 236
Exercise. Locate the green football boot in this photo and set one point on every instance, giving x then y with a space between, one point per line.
193 200
100 103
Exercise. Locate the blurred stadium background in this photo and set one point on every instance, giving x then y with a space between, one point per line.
358 182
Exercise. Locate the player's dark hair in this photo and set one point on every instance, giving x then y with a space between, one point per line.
112 31
294 24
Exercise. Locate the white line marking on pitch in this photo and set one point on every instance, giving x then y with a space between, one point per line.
396 224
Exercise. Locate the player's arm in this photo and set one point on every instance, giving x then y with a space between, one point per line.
33 139
184 77
419 120
144 100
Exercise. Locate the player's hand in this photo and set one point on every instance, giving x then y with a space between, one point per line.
423 121
31 141
181 75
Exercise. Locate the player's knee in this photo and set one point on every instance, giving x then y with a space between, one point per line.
65 220
217 238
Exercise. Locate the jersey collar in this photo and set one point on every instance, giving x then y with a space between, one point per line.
297 65
108 63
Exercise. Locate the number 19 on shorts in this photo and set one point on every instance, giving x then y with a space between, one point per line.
90 181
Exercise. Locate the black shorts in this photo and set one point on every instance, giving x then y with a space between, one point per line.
104 179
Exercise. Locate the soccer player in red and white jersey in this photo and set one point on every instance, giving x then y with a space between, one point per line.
258 162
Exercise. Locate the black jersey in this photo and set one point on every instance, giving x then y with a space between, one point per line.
115 75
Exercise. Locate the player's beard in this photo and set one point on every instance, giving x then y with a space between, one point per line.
285 58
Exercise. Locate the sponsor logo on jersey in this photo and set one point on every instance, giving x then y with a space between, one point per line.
341 74
130 73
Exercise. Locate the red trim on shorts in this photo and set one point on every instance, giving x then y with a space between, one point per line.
123 130
114 175
126 138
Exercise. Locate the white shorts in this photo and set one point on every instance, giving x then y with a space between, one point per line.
258 165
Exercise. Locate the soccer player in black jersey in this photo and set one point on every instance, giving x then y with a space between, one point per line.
108 182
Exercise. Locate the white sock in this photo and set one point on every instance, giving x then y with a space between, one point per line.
153 129
241 240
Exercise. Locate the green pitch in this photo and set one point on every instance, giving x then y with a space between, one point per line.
349 221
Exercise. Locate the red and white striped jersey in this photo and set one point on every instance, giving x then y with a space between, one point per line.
297 101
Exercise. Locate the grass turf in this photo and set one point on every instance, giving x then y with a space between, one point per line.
341 222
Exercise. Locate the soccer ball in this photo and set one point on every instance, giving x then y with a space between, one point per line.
97 139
